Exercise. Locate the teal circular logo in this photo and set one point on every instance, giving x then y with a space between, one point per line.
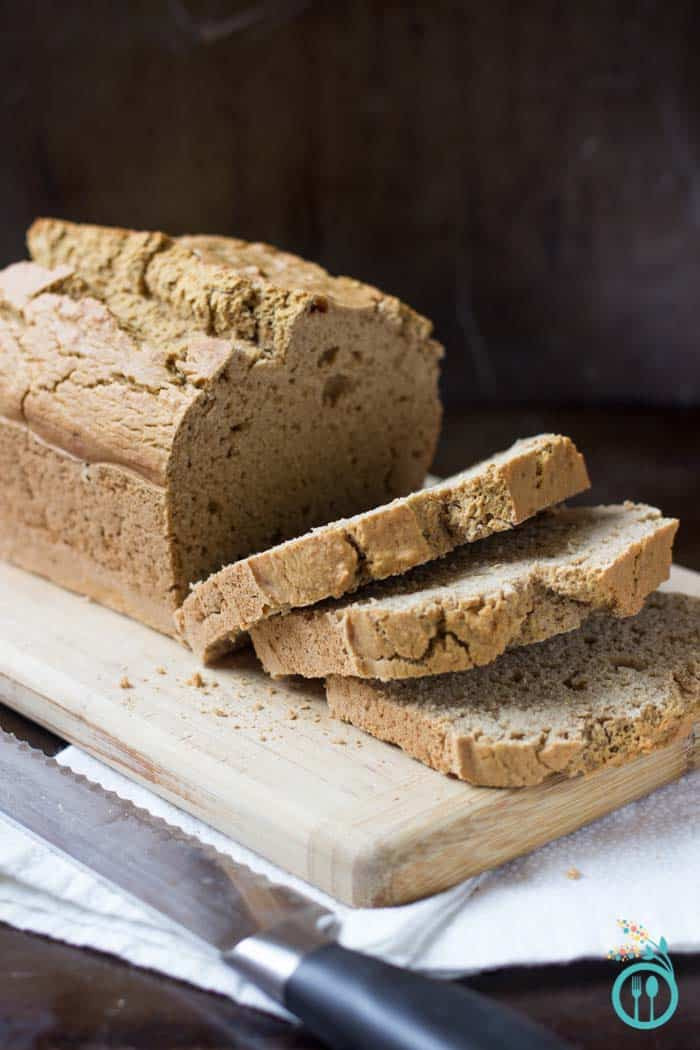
642 984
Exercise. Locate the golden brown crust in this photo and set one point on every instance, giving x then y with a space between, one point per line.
464 610
251 405
601 696
338 558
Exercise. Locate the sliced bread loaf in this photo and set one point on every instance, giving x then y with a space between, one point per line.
541 579
336 559
167 407
599 696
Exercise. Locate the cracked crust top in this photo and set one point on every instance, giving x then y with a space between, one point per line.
241 394
132 326
464 610
600 696
336 559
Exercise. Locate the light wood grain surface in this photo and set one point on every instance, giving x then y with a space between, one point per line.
263 761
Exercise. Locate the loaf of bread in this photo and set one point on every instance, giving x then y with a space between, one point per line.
462 611
335 559
599 696
167 407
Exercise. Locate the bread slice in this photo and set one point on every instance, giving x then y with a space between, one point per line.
600 696
462 611
170 406
337 558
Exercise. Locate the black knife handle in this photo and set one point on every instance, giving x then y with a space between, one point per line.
354 1002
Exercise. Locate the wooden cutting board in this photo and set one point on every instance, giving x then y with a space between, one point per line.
263 762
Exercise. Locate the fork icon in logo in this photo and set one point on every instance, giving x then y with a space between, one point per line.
636 993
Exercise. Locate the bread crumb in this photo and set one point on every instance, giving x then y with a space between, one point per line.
125 683
338 740
573 873
215 685
161 670
291 713
274 692
220 713
263 737
258 707
236 725
196 680
304 707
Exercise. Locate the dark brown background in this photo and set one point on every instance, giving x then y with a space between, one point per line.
525 173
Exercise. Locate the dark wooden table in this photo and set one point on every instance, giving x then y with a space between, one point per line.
54 997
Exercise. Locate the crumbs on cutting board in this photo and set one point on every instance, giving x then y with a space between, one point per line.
267 720
161 670
574 873
124 683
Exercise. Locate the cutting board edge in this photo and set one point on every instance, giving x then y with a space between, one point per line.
388 873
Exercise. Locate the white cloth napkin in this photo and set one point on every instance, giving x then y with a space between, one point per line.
640 863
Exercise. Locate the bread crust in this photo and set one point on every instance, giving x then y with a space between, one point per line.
463 611
389 540
226 384
601 696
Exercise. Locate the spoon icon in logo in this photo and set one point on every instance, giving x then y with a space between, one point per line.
651 987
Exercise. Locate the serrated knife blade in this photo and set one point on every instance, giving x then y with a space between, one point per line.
175 874
275 936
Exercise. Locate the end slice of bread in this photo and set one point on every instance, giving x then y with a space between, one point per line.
601 696
335 559
464 610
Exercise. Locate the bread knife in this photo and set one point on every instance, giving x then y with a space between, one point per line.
275 936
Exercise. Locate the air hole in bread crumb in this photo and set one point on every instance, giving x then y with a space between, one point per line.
328 356
630 662
576 682
335 387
